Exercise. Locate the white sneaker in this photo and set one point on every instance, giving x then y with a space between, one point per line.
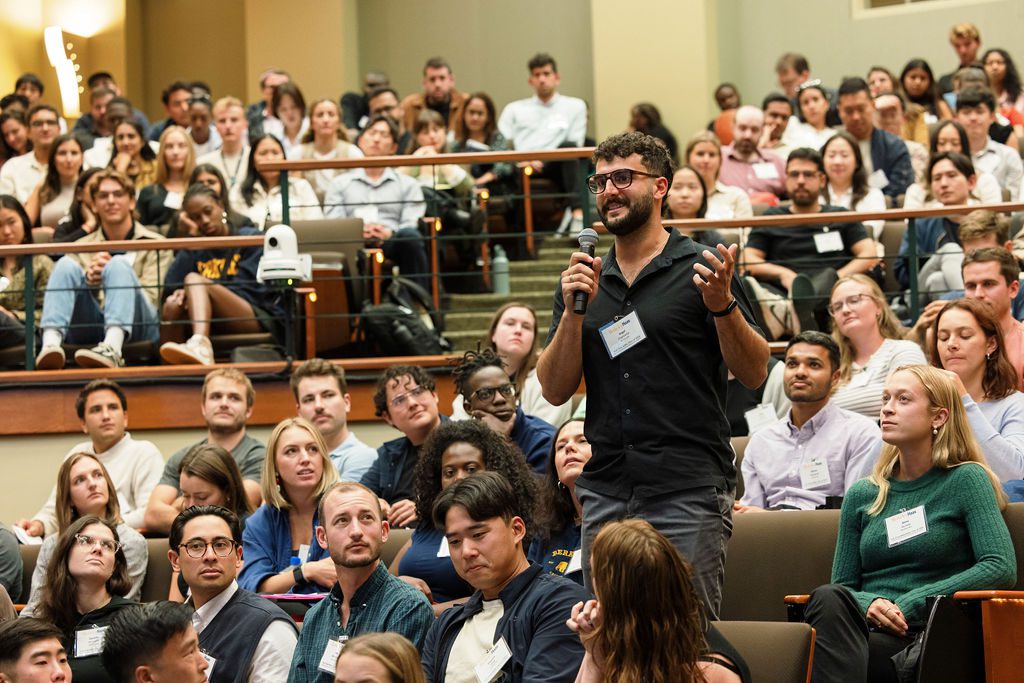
564 226
196 351
102 355
50 358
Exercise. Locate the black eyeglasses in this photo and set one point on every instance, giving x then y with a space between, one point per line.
621 178
196 548
487 393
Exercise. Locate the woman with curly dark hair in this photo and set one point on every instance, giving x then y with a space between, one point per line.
454 451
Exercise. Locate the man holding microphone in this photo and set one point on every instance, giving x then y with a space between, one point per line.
665 323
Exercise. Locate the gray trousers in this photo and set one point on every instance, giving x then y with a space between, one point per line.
698 522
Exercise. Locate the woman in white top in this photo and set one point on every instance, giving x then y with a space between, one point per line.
288 121
259 195
325 140
871 344
950 136
704 153
52 198
847 184
967 341
812 108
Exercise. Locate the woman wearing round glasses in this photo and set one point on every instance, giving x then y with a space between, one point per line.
86 584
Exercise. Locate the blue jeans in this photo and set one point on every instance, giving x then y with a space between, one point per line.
698 522
71 304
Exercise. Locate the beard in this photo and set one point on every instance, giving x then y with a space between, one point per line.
342 560
807 200
233 427
807 397
638 212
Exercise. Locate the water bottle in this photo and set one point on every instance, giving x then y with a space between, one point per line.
499 271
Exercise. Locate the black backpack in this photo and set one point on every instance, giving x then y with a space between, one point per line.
405 323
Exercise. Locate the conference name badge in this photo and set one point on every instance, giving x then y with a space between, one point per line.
493 661
828 241
576 563
210 663
329 660
814 474
905 525
89 641
443 550
766 171
622 334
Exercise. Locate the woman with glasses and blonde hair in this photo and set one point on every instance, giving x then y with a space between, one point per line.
379 658
296 472
86 585
928 521
84 488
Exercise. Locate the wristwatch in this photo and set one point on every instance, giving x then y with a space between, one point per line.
297 574
727 310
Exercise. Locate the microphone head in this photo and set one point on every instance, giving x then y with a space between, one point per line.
588 236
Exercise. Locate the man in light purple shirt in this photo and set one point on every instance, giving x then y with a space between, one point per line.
747 167
820 450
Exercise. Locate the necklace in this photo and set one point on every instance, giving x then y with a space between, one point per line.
634 272
232 176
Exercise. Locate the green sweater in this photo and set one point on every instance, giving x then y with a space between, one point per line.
967 546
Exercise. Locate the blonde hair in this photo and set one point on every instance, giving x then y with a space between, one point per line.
393 651
888 325
163 172
952 446
226 103
232 375
965 30
273 492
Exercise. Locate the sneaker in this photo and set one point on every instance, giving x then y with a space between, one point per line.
576 226
804 297
50 358
564 226
102 355
196 351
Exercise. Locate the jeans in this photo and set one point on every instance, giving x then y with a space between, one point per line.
697 521
12 331
72 307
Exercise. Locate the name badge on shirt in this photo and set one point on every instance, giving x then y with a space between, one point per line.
369 214
905 525
760 417
303 552
828 241
576 563
623 334
210 663
878 180
443 550
173 200
814 474
89 641
329 660
491 665
766 171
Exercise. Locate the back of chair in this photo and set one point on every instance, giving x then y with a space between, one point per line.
396 539
157 583
892 235
739 445
29 555
776 652
1014 517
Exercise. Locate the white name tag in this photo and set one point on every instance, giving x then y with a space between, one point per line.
814 474
878 180
89 641
828 241
760 417
906 525
576 563
495 659
766 171
210 663
304 552
443 550
329 660
623 334
369 214
173 200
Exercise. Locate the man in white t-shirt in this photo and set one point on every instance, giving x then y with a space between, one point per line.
20 175
233 156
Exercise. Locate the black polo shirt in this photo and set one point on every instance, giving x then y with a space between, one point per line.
656 413
794 248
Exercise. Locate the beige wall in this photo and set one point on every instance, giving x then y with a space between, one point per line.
21 47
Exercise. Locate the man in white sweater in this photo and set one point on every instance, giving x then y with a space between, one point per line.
134 466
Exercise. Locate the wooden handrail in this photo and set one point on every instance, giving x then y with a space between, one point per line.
132 245
432 160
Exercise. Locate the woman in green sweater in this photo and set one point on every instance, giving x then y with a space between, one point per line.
926 522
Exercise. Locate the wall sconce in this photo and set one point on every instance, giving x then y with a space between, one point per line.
66 69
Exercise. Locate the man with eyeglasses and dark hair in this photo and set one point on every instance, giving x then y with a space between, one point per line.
20 175
489 396
406 397
243 636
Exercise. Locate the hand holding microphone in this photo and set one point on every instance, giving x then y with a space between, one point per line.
579 280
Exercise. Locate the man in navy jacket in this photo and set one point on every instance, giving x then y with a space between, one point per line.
889 162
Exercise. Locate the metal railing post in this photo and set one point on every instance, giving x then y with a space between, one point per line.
30 313
285 213
915 305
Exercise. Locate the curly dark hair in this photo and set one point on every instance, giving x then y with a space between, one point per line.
653 153
380 392
500 455
555 508
471 363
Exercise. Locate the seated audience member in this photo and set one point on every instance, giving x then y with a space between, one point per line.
885 156
645 118
806 261
776 136
15 228
813 107
226 403
453 452
86 584
993 275
325 140
1004 80
84 489
154 642
208 175
390 203
514 602
687 199
201 131
846 183
439 94
175 97
51 198
975 111
727 97
129 283
479 132
932 478
81 217
819 449
174 164
321 396
967 341
881 81
446 181
704 153
246 637
966 42
134 466
355 106
31 650
379 658
406 397
893 118
214 290
232 159
118 110
512 334
12 572
259 113
364 598
92 124
490 396
132 155
950 136
557 542
793 70
288 121
638 572
20 175
296 472
758 173
259 195
14 130
919 84
384 100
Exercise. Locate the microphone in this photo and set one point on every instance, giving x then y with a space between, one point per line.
588 243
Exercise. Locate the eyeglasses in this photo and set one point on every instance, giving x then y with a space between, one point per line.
796 175
39 123
116 194
848 302
403 399
196 548
104 543
487 393
621 178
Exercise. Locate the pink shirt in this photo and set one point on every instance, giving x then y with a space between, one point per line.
766 172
